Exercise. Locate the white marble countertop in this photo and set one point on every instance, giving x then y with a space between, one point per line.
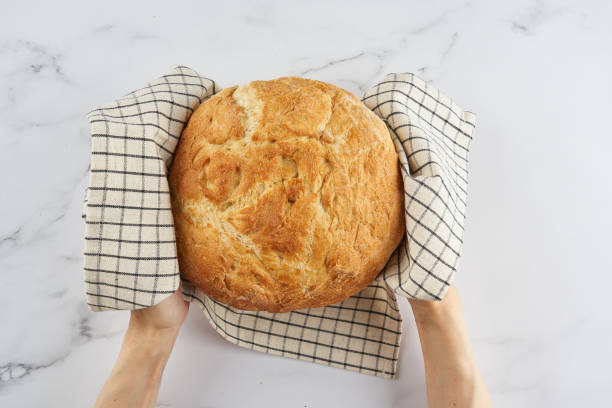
536 272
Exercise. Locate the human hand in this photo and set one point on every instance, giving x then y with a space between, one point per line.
136 376
166 316
451 372
426 311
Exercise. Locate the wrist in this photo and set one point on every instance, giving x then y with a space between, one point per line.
149 339
428 312
137 373
144 355
440 312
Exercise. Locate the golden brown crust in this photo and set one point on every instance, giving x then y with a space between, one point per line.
286 195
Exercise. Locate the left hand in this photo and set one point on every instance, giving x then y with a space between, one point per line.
136 376
168 315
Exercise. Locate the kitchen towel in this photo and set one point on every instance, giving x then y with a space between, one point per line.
130 251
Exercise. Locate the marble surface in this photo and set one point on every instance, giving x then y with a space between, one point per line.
536 271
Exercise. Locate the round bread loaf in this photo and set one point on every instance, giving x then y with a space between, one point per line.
286 195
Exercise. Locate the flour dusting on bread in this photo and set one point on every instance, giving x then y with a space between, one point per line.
286 195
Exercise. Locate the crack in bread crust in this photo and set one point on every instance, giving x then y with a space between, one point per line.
286 195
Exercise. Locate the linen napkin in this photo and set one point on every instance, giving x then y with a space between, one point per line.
130 251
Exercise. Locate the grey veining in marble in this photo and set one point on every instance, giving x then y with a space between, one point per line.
535 276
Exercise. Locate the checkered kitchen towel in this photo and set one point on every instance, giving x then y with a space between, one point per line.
130 251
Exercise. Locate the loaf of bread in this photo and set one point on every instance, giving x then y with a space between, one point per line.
286 194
